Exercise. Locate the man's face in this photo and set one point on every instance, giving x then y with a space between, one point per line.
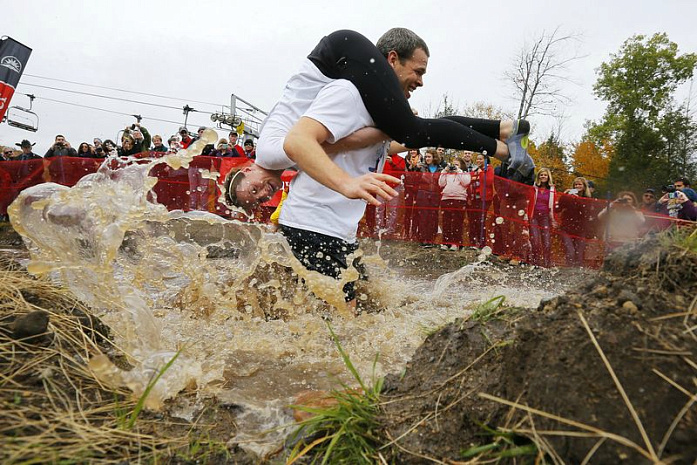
60 140
233 138
648 198
410 73
157 140
248 147
26 149
440 151
467 156
184 135
257 186
679 185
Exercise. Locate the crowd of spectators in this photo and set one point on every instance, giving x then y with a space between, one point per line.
448 199
460 201
134 139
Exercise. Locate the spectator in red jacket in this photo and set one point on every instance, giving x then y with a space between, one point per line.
479 198
428 199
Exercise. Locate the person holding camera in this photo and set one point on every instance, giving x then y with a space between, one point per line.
623 221
577 225
676 204
60 148
454 183
428 199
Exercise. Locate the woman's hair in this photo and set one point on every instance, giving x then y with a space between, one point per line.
550 181
436 157
621 194
79 149
486 158
586 192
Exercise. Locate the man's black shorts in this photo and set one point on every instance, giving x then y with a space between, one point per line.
324 254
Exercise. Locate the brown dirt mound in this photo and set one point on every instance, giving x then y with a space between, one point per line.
640 309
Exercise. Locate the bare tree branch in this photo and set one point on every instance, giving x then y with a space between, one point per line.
539 71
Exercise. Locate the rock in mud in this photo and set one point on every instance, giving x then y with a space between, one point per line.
30 327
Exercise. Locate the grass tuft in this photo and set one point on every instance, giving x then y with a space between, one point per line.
347 431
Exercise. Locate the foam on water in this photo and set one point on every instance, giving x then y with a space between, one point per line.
229 296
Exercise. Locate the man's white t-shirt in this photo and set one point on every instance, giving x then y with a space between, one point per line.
314 207
298 95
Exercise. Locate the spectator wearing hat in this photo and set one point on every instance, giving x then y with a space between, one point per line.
649 202
27 153
96 142
60 148
234 144
186 139
249 150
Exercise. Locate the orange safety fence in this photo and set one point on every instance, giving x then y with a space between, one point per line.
497 213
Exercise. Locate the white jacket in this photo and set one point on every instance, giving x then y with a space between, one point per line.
454 184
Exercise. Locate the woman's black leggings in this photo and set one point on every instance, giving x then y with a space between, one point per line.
349 55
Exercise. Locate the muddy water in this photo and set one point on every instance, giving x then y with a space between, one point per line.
235 304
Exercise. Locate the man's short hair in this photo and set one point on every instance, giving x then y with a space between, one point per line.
249 142
403 41
685 181
59 135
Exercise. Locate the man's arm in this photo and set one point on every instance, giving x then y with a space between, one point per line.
358 140
303 146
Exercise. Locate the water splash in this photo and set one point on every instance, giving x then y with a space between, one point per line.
240 308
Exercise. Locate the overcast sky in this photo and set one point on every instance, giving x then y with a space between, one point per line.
203 51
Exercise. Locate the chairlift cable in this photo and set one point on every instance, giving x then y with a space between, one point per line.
105 97
101 109
125 91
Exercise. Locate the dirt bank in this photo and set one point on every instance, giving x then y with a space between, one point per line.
620 395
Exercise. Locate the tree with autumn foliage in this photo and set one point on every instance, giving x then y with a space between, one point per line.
551 154
592 161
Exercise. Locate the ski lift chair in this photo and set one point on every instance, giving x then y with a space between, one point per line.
23 118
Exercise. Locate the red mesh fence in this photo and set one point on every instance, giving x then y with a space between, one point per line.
513 219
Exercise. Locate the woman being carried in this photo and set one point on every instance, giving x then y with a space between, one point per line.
385 75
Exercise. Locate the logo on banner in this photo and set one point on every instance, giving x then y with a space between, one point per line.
11 62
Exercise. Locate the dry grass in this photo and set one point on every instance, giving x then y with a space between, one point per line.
54 410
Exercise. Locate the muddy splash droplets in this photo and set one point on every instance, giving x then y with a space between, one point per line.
521 212
499 220
230 295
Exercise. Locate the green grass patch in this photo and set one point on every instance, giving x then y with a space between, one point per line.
503 445
492 308
347 432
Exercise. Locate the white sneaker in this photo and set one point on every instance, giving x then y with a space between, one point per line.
454 248
444 247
